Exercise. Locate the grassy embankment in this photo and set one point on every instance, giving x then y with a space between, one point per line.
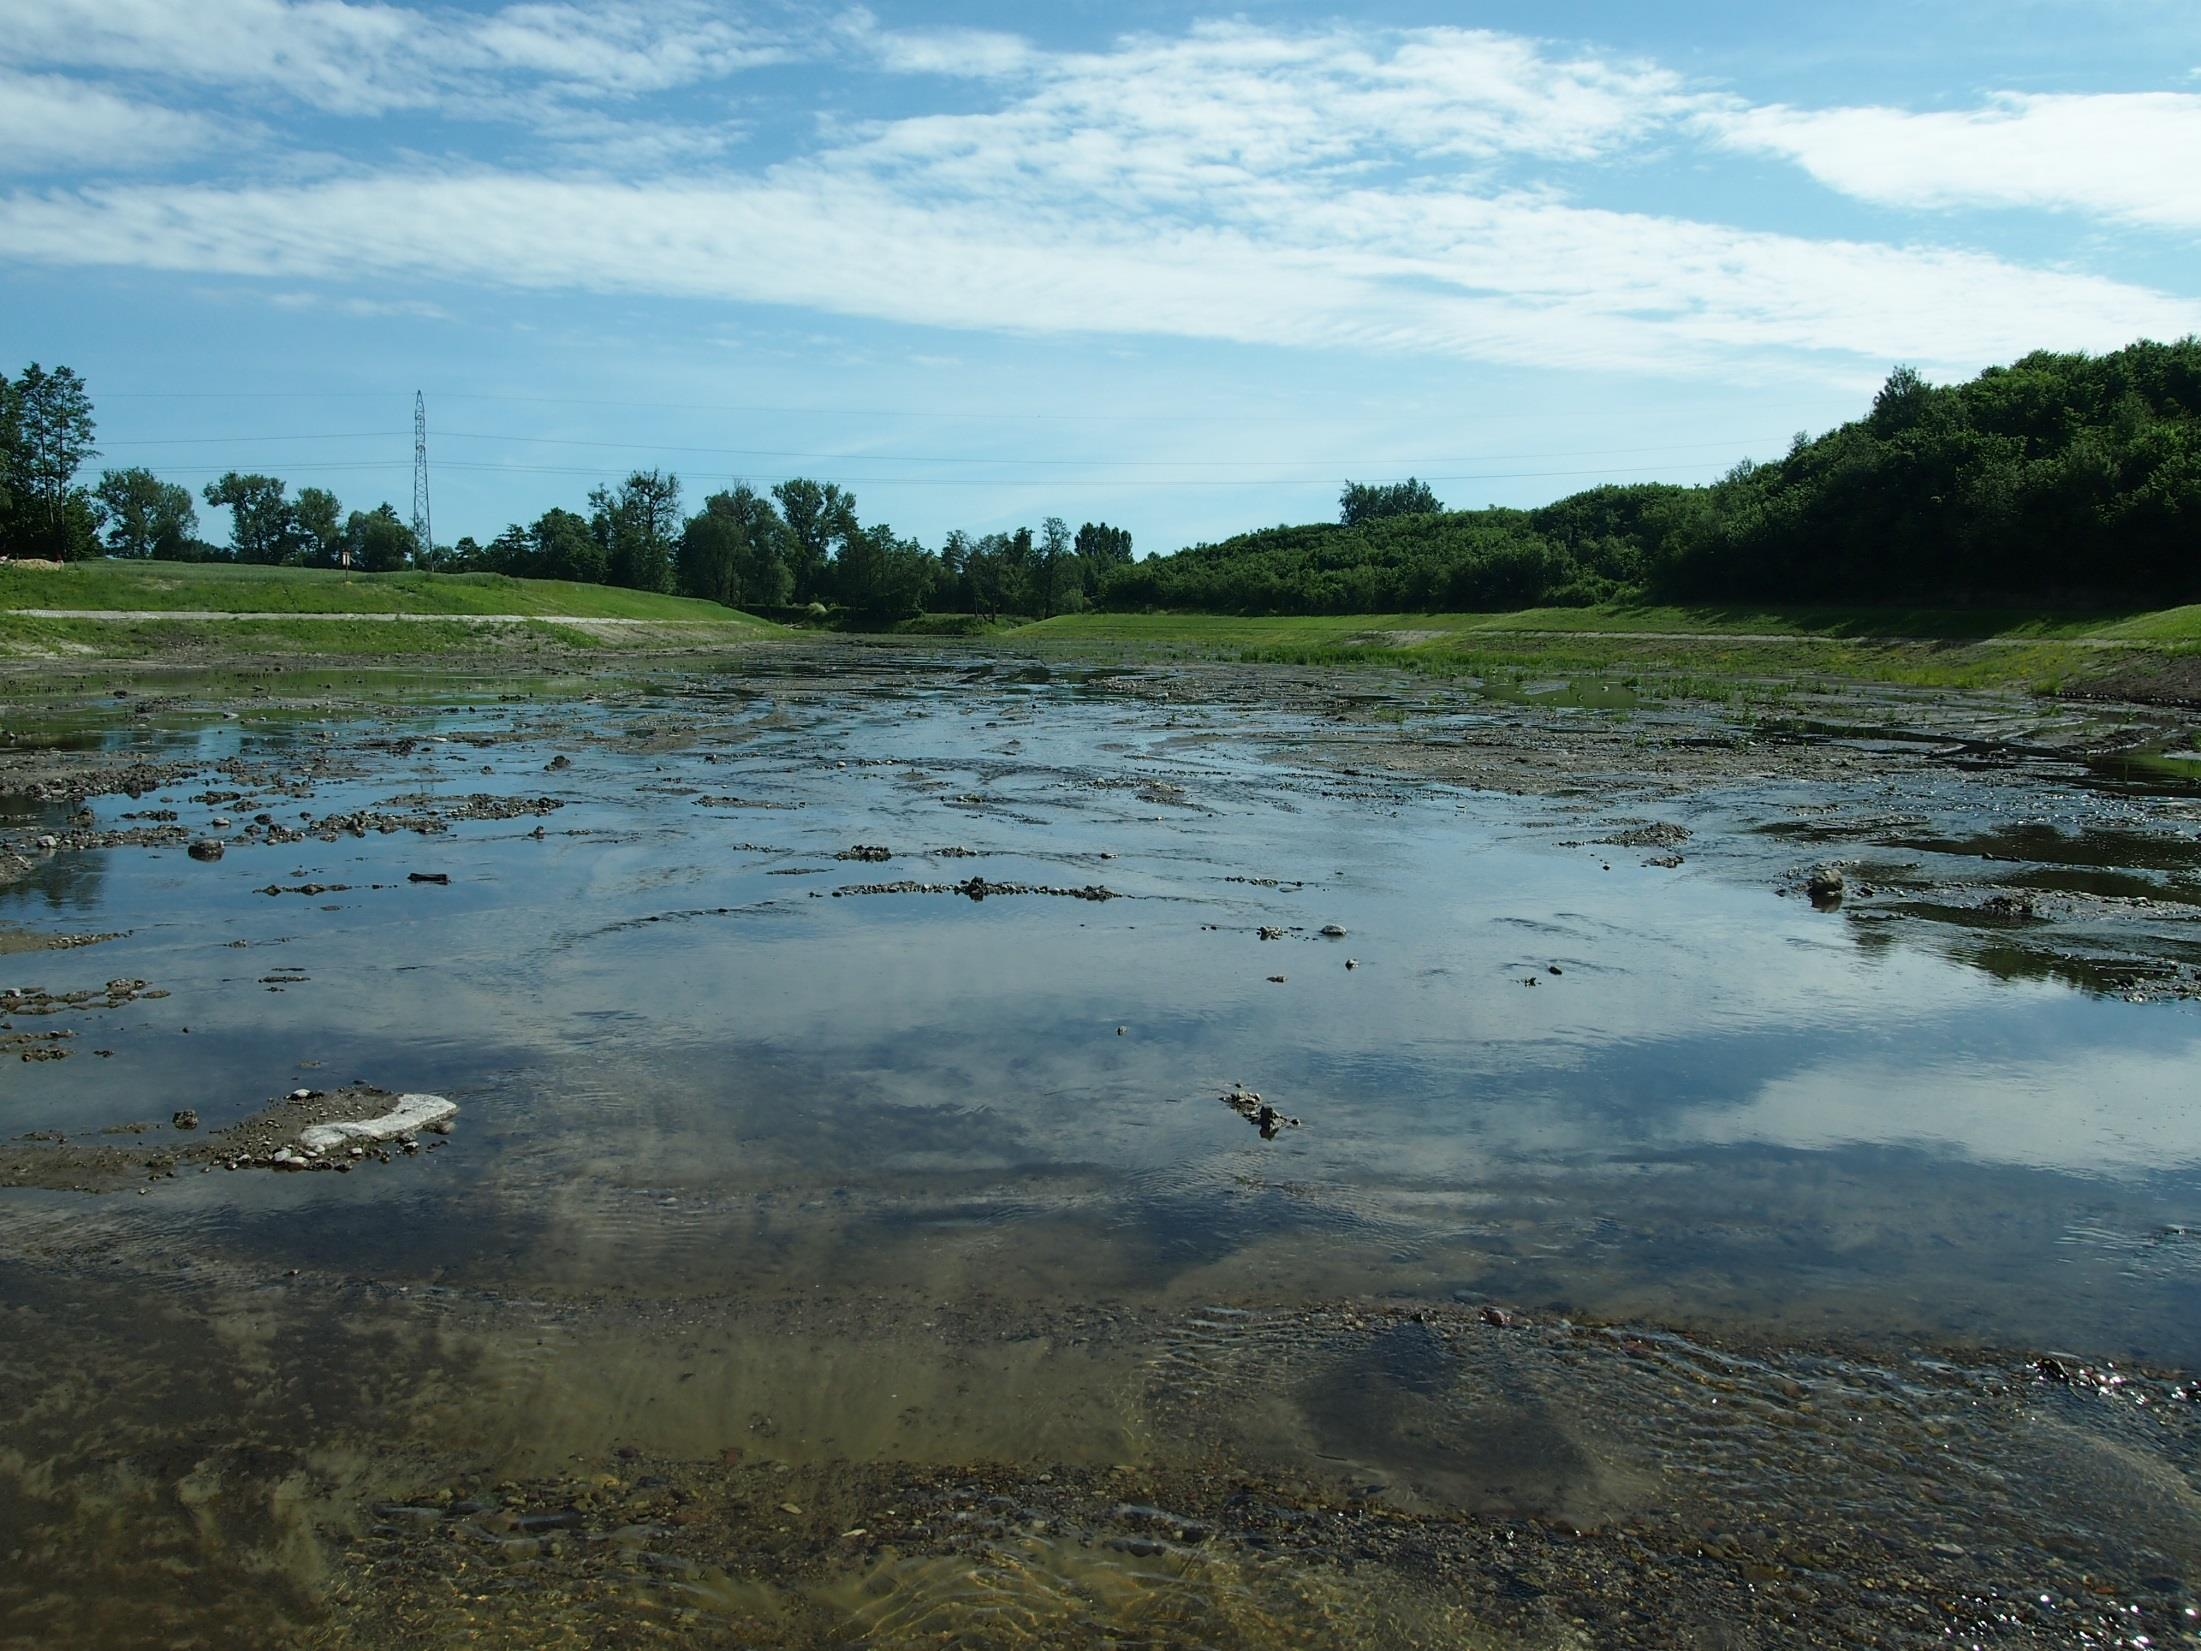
1696 650
1688 647
304 609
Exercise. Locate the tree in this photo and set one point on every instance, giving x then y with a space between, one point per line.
261 526
1052 563
146 516
1370 501
511 551
317 518
879 572
819 515
11 436
634 527
564 548
50 439
379 540
768 576
713 549
1901 402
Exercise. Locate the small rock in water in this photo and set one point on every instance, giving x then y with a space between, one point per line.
1825 885
428 877
207 848
185 1119
1335 931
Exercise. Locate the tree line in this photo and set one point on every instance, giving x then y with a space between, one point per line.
2062 478
799 544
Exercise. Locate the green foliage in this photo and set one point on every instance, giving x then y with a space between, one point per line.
819 516
378 540
2068 479
635 527
1371 501
145 516
561 546
262 528
318 527
46 431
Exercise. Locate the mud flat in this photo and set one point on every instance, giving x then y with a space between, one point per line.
1496 1169
309 1129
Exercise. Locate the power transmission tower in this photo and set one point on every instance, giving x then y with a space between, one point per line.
424 539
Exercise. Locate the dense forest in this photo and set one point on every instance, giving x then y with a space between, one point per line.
2061 478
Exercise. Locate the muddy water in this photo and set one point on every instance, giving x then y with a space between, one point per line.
825 1255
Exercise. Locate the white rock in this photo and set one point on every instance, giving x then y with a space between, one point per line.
412 1112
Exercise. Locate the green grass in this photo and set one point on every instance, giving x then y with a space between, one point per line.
1670 650
1832 624
228 588
154 639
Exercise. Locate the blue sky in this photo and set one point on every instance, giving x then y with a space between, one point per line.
1177 268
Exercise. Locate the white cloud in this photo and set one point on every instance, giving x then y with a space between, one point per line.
1231 106
979 53
2134 156
358 57
1335 188
52 124
347 304
1507 279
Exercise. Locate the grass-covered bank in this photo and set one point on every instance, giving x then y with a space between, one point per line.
2146 626
222 587
2152 654
30 641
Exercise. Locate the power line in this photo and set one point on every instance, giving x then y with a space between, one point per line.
1509 414
1147 464
211 441
1327 464
448 465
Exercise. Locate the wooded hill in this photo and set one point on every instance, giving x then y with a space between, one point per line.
2066 479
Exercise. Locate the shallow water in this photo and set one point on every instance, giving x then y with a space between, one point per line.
860 1179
